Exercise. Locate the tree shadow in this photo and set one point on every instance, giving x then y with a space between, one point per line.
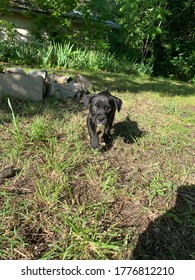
124 82
172 235
165 87
128 130
29 109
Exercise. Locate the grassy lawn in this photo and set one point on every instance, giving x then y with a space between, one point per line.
66 201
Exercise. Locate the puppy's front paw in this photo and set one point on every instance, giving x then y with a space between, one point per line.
107 139
94 143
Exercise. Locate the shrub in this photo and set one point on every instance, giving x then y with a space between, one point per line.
62 55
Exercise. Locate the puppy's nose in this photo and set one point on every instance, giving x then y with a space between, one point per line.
100 118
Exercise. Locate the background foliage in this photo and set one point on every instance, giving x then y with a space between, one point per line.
156 34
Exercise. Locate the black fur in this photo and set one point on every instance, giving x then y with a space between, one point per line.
102 108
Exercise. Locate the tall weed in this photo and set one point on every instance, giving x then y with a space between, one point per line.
15 123
62 55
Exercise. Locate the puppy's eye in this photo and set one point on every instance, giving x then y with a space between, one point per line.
95 106
107 108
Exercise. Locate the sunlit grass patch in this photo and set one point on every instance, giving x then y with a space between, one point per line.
67 201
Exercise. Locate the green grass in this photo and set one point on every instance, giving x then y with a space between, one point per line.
68 201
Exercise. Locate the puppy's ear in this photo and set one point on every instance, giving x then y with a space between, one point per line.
87 98
118 103
107 91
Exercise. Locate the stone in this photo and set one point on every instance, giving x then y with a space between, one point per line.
62 92
59 78
82 80
45 76
70 89
42 73
7 172
26 87
14 71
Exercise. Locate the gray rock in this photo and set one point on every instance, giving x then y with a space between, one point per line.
15 71
62 87
59 78
42 73
45 76
64 91
26 87
82 80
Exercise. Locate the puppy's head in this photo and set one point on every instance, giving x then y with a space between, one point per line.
102 106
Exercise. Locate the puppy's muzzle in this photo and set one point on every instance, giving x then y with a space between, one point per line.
101 119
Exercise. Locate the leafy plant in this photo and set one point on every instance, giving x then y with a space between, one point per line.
62 54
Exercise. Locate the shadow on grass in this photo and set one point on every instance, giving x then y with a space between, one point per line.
124 82
172 235
128 130
29 109
165 88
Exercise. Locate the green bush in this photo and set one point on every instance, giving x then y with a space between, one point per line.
62 55
183 62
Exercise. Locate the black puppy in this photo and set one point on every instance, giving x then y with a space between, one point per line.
102 108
